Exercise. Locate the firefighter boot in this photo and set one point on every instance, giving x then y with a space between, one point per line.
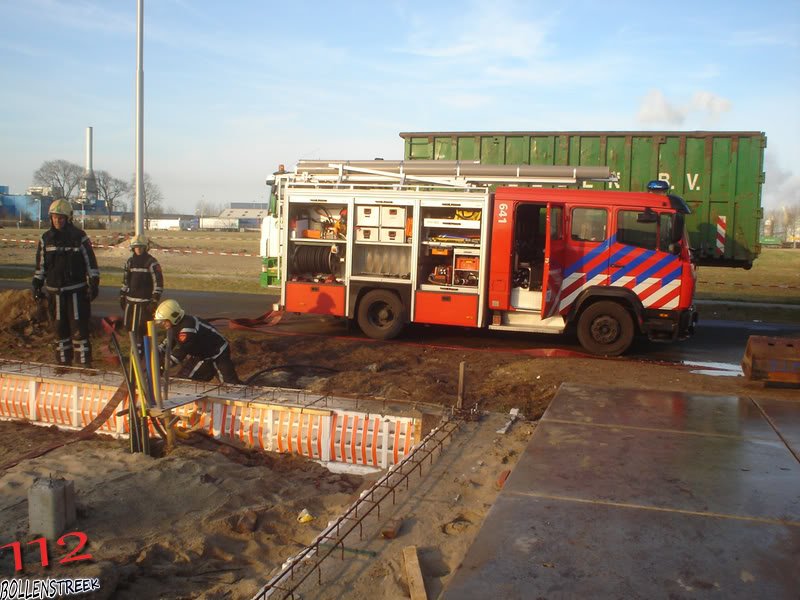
64 352
83 352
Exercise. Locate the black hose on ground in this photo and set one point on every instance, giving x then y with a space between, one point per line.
255 375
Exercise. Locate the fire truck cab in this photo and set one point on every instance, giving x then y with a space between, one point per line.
384 244
614 264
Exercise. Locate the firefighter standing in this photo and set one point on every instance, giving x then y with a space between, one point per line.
208 351
66 270
142 285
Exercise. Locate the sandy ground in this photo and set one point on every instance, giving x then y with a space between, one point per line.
208 521
198 523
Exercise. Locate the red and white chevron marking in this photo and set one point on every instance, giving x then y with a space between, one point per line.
651 291
722 230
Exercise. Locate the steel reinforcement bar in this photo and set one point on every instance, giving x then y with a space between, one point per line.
297 569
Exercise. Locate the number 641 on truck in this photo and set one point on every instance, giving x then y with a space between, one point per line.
388 243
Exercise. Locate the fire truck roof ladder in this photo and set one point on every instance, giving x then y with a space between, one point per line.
442 172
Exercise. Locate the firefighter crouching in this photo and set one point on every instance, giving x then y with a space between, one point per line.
206 351
142 285
66 271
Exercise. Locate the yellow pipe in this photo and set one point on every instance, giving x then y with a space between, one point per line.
154 362
137 373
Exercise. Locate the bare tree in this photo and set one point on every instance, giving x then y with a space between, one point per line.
205 208
151 196
61 175
770 224
791 222
110 188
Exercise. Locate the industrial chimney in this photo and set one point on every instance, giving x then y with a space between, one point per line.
88 182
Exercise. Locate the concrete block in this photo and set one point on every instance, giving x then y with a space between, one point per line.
51 506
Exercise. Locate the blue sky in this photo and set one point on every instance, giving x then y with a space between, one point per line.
234 88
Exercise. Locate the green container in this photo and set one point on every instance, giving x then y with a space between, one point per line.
718 173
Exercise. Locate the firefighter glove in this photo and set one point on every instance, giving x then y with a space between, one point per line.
94 287
37 289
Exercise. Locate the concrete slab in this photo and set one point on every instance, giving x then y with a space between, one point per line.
641 494
785 416
533 547
722 415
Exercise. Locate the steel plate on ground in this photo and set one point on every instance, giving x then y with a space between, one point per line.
645 494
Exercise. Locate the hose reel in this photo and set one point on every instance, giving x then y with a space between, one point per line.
315 259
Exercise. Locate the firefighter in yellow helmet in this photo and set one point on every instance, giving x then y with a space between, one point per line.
142 286
199 347
67 273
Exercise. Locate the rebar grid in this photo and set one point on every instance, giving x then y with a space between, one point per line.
246 393
44 370
301 566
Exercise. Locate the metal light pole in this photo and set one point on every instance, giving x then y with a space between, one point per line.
139 197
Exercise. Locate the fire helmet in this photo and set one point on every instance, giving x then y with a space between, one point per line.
169 310
60 207
139 240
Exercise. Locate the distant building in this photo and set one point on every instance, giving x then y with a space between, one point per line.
171 222
45 190
248 215
23 207
250 205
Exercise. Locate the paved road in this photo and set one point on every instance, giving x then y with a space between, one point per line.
720 342
210 304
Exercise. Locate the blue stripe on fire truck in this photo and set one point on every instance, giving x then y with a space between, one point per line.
623 271
655 268
672 275
584 260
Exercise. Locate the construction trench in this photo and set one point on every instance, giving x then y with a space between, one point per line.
647 492
343 434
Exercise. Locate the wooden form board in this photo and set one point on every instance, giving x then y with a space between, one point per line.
416 585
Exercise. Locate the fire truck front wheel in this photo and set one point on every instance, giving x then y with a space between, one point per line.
605 328
381 314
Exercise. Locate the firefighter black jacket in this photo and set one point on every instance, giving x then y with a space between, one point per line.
198 338
142 280
65 260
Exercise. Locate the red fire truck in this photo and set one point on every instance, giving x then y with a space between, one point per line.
387 243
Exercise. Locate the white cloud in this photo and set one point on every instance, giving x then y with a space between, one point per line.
781 187
656 108
482 34
707 102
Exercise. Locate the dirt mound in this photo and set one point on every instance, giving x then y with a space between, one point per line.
18 310
24 325
207 521
26 332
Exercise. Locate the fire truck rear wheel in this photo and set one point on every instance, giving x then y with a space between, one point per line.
381 314
605 328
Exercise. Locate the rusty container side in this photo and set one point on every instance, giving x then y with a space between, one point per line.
772 360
